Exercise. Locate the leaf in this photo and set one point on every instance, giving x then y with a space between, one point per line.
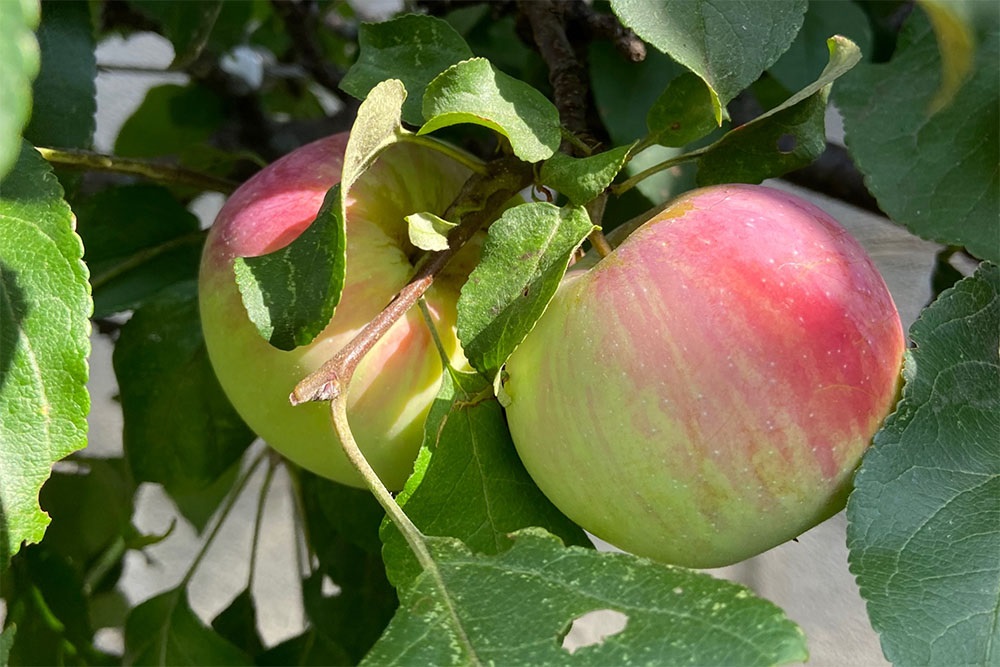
343 524
291 293
924 518
475 92
164 631
237 624
6 642
582 179
934 174
65 91
19 64
44 328
785 138
193 27
516 607
308 648
171 120
412 48
728 43
139 239
469 482
523 261
683 113
953 22
428 231
180 430
808 54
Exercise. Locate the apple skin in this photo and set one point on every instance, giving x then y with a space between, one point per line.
397 381
705 392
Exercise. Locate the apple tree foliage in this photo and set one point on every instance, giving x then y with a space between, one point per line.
607 110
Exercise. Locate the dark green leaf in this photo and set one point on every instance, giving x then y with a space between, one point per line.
237 624
310 649
524 258
516 607
164 631
936 174
138 240
582 179
180 429
91 508
290 294
170 120
6 642
469 482
955 23
65 90
411 48
807 56
728 43
343 532
19 63
785 138
475 92
683 113
198 505
924 518
193 27
44 309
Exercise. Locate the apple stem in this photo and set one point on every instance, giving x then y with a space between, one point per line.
480 198
154 171
429 320
470 161
414 538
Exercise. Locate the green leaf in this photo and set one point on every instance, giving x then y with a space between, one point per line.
343 526
475 92
728 43
44 309
19 63
582 179
6 642
428 231
469 482
524 259
516 607
411 48
924 518
237 624
683 113
785 138
309 648
194 27
180 429
290 294
934 174
954 24
164 631
170 120
808 55
139 239
65 91
198 505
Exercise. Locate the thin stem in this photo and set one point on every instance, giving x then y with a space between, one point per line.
259 517
414 538
473 163
435 336
223 514
627 185
600 243
154 171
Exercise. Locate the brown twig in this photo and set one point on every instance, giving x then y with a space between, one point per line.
480 198
607 26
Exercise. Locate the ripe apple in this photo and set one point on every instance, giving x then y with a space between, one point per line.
395 384
706 391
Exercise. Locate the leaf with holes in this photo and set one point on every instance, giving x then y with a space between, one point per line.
516 607
924 518
788 137
45 307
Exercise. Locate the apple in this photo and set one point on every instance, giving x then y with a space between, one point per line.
706 391
395 384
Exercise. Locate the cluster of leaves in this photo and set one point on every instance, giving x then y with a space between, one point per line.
509 574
